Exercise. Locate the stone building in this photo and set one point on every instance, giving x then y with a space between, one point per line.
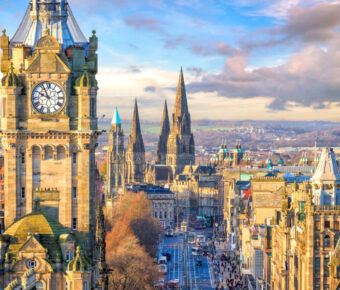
135 152
49 135
305 238
115 157
162 201
163 138
158 174
2 195
181 145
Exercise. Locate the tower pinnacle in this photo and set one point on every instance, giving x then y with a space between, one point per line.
163 138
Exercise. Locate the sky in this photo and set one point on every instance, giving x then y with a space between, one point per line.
242 59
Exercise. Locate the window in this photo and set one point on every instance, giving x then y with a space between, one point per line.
74 157
336 225
48 153
2 187
160 214
317 225
66 286
84 286
92 108
23 192
165 214
325 267
1 177
2 206
327 241
317 267
156 214
22 157
31 264
327 224
74 192
69 256
74 224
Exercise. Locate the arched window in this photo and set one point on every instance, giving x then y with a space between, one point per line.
48 152
327 241
60 152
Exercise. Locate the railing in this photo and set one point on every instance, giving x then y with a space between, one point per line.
327 208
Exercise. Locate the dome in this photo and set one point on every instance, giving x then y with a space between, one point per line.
46 229
79 262
86 79
280 161
11 79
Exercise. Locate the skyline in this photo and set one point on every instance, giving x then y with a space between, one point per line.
242 60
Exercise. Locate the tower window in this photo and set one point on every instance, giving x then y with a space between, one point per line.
92 108
74 224
74 157
327 224
22 157
327 241
74 192
23 192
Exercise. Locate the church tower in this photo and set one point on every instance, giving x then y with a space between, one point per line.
326 180
135 153
49 118
115 156
181 145
163 138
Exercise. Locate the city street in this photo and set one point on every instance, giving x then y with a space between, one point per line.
199 277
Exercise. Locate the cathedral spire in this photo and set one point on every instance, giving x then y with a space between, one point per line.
136 132
165 121
181 105
163 138
116 119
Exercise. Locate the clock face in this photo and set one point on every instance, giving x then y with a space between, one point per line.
48 98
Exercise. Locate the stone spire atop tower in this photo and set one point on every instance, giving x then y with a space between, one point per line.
181 145
163 138
135 154
181 105
136 138
326 180
115 157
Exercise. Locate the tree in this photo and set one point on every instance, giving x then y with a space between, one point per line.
131 242
132 267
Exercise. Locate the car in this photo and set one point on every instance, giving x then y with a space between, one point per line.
162 260
167 255
173 284
199 262
162 269
169 233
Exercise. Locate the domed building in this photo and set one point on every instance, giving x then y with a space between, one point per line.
37 251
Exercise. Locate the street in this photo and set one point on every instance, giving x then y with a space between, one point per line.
199 277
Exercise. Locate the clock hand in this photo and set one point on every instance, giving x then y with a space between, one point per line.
47 96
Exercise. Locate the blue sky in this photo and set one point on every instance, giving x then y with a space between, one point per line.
242 59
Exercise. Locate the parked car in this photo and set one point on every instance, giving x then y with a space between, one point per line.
199 262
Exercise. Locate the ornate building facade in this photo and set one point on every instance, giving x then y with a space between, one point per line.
49 135
115 156
181 145
135 153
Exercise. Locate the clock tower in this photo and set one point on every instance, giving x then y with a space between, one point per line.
49 118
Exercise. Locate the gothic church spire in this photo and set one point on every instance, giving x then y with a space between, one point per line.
163 138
